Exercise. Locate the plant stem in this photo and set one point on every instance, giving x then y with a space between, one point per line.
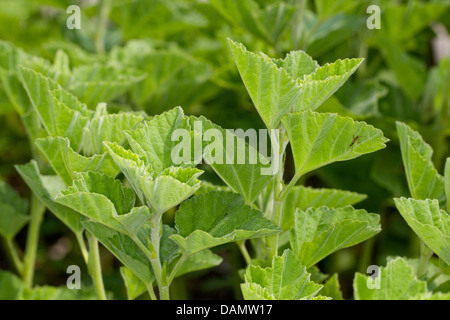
425 254
82 245
176 268
102 26
272 241
153 257
435 276
244 251
151 292
12 250
156 234
94 266
37 214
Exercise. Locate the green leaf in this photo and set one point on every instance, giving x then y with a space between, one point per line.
13 211
429 222
325 81
297 64
103 199
280 86
100 83
162 192
12 286
60 112
332 288
65 161
46 188
273 91
170 254
306 197
319 232
107 127
173 77
397 282
38 87
246 176
135 287
287 279
204 259
318 139
69 117
216 218
154 139
423 179
124 248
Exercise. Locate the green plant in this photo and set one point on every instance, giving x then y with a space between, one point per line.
95 110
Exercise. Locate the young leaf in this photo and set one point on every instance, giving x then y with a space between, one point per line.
65 161
161 192
297 64
107 127
287 279
294 84
325 81
216 218
103 199
429 222
154 139
423 179
322 231
318 139
13 211
273 91
306 197
38 87
46 188
69 117
397 282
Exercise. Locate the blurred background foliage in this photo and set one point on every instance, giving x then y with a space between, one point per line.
153 55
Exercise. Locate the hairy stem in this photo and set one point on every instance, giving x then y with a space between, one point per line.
150 291
37 214
153 255
272 241
94 267
425 254
244 251
82 245
176 268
